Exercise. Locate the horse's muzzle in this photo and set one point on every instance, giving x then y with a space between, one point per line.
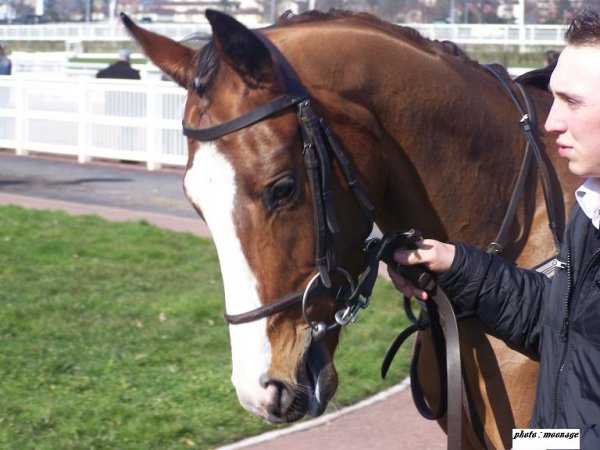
316 384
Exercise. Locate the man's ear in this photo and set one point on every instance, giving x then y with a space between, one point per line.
173 58
241 49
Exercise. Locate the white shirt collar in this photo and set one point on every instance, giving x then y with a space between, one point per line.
588 197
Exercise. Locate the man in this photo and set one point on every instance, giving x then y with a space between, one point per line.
120 69
559 320
5 63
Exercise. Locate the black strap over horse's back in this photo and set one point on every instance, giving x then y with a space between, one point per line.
528 123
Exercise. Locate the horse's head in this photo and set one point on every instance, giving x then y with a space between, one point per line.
252 187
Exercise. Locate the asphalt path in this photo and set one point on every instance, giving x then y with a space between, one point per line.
127 186
123 192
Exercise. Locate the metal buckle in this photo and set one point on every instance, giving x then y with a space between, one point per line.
349 315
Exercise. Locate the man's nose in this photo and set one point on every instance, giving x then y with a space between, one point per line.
554 122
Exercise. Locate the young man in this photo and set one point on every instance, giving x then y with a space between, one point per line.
560 319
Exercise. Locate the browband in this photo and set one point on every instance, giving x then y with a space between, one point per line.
250 118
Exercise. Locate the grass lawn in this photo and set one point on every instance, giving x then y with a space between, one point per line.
111 337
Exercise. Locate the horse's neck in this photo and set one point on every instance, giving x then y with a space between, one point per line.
444 141
443 129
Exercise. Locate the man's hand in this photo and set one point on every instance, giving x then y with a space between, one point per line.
436 256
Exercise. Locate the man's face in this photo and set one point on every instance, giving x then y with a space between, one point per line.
575 113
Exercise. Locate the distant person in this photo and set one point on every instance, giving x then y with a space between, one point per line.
551 57
120 69
5 63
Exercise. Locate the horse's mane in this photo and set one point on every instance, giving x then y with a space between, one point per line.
207 60
365 19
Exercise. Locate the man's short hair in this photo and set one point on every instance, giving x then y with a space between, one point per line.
124 54
584 29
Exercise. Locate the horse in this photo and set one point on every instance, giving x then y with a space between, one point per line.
427 134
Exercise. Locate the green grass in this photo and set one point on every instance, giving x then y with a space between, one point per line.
111 337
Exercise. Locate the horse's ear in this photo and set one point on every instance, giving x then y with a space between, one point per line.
173 58
241 49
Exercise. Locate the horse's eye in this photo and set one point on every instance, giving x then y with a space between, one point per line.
279 193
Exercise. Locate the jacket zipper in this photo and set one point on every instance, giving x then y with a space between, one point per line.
563 334
564 329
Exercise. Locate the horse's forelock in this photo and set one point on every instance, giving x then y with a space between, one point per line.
207 61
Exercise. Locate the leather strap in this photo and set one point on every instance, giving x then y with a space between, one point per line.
318 167
531 134
441 312
453 364
498 244
275 306
265 310
442 317
295 93
256 115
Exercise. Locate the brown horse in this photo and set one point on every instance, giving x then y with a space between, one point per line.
437 146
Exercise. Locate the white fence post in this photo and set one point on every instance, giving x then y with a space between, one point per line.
83 123
152 125
20 117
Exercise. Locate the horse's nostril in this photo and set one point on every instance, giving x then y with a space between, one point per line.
279 398
264 380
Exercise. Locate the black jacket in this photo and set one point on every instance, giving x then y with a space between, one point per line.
120 69
557 320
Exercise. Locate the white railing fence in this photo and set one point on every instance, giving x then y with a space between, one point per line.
58 64
90 118
95 118
538 35
504 34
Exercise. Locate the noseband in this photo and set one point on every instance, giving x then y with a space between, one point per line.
318 144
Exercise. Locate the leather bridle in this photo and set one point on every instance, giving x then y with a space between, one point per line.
318 144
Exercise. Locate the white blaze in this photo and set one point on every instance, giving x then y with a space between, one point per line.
210 185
